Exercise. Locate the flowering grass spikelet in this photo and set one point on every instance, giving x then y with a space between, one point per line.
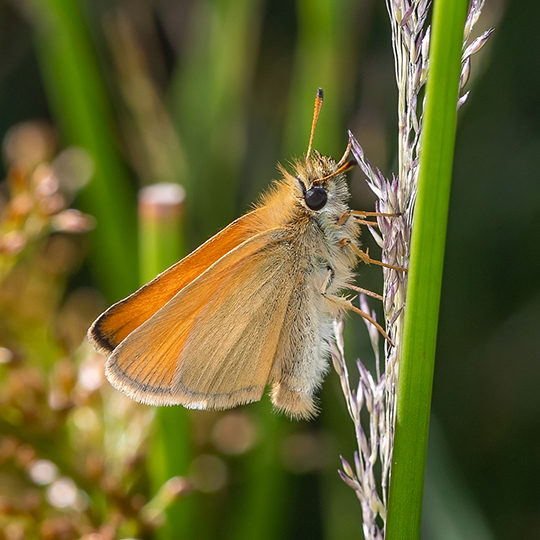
374 400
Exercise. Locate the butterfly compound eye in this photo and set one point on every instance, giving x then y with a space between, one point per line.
316 198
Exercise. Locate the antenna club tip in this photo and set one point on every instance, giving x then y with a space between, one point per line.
316 111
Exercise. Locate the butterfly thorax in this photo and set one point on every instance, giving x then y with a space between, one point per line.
309 203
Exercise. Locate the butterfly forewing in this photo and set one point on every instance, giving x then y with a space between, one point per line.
113 326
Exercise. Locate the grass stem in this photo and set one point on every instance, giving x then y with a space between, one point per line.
425 273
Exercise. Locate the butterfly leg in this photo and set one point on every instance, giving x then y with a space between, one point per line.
360 216
364 255
366 292
346 303
365 258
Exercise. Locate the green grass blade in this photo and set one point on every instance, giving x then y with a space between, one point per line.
425 273
209 101
161 242
160 246
325 36
260 510
80 106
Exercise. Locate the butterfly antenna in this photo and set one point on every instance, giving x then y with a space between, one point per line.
316 111
343 168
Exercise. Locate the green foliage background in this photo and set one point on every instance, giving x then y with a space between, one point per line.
211 94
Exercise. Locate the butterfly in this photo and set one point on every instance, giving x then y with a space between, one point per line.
251 307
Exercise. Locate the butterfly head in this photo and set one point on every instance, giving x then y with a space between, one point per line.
319 184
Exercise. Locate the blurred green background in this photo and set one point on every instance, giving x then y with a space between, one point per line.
211 95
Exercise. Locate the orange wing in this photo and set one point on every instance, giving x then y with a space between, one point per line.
212 345
115 324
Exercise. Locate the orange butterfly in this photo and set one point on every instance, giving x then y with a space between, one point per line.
253 306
